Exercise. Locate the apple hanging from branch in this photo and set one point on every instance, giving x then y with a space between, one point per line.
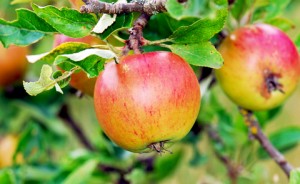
147 101
261 67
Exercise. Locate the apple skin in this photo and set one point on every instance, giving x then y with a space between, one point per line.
145 99
249 53
13 64
79 80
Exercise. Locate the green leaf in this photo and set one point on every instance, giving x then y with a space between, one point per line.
105 21
284 140
44 83
240 7
65 48
61 83
200 54
270 10
67 21
179 11
90 60
123 21
81 174
201 30
295 176
27 29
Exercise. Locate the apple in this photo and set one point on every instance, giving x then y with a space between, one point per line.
13 64
147 101
80 80
8 146
261 67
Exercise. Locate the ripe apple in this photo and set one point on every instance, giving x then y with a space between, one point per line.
13 64
8 146
80 80
147 100
261 67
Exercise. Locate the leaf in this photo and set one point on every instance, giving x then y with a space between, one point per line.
270 10
90 60
284 140
44 83
65 48
81 174
201 30
67 21
123 21
105 21
200 54
178 10
240 7
295 176
27 29
282 23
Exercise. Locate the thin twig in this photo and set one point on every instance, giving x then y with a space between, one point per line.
256 132
149 7
64 115
233 169
136 39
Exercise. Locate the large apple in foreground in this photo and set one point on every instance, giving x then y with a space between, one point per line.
261 67
13 64
80 80
147 100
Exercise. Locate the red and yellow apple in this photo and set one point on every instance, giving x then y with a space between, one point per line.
147 100
13 64
261 67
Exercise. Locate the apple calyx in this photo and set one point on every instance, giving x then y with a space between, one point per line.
271 83
159 147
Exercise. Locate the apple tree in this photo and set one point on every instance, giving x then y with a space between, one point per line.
142 91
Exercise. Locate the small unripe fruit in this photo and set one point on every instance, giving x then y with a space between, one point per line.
13 64
147 100
261 67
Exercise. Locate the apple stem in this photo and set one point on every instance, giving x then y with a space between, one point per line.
149 7
136 39
159 147
256 133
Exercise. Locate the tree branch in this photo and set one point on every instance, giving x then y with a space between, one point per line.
257 133
64 115
233 169
149 7
136 39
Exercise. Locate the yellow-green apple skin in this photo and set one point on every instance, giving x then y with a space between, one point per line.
8 146
79 80
146 99
13 64
251 55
